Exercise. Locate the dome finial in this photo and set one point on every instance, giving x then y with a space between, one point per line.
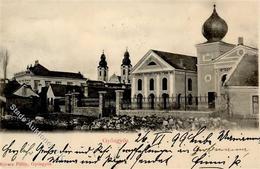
103 51
215 28
214 8
127 49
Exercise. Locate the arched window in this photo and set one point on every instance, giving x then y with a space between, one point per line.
139 85
223 79
190 99
189 85
152 63
165 100
123 71
139 101
105 73
151 84
151 101
164 84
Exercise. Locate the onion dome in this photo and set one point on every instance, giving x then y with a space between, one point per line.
215 28
126 61
103 62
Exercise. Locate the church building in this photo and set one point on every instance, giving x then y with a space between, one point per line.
161 78
165 80
126 67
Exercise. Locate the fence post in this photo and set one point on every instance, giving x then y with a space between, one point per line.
74 101
119 96
101 102
68 103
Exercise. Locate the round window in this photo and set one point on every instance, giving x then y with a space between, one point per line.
207 78
241 52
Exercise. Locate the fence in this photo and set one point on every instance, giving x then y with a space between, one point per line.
171 103
88 102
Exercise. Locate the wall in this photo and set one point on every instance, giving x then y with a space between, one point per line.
86 111
179 83
164 113
206 67
241 100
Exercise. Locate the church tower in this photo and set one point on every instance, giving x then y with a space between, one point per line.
126 68
102 68
214 30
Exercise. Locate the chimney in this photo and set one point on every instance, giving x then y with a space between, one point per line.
36 62
240 41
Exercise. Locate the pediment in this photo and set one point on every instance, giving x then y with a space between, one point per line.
235 54
151 62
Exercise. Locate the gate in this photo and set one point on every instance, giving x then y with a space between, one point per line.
211 99
109 108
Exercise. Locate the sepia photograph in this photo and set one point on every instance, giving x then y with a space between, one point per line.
109 71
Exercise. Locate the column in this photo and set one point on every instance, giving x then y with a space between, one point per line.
158 86
171 85
101 102
145 85
133 87
158 90
119 96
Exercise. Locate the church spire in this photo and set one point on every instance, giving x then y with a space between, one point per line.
103 68
126 60
103 62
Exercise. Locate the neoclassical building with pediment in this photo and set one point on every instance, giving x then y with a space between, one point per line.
165 80
159 76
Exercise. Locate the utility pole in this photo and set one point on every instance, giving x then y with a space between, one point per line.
185 102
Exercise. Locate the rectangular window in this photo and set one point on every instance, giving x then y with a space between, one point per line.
207 57
255 102
189 85
36 84
58 82
69 83
47 83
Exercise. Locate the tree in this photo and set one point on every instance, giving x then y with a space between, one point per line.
4 58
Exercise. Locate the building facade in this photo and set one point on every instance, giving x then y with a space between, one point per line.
38 76
125 69
165 80
160 77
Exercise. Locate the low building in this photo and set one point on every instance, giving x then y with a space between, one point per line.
38 76
241 88
55 96
25 99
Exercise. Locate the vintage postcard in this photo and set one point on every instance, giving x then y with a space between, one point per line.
129 84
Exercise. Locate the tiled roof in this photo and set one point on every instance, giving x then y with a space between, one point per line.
60 90
178 61
11 87
246 72
40 70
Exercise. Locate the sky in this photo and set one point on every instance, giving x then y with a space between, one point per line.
70 35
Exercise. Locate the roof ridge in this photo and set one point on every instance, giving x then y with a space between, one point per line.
173 53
